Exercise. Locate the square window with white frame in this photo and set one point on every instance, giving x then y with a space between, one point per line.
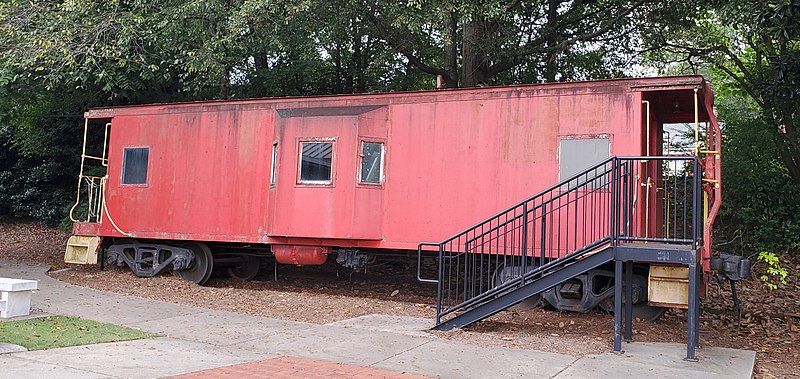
316 162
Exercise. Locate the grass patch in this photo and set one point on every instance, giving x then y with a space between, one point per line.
61 331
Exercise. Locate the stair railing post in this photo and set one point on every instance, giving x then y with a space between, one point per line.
617 306
617 263
614 184
692 335
697 189
439 285
524 242
628 301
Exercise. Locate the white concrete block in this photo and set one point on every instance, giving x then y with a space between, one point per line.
12 285
15 297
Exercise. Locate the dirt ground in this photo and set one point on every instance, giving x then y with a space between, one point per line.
768 323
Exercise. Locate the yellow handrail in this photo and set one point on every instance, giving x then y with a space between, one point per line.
95 185
696 124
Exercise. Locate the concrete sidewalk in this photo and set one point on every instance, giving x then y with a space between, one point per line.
199 339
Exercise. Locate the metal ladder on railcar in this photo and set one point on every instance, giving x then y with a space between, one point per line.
579 224
90 203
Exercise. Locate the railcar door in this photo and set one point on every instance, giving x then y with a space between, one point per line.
328 181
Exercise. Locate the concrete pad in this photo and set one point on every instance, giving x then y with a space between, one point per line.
410 326
6 348
148 358
450 359
22 270
21 368
664 360
219 327
57 297
351 346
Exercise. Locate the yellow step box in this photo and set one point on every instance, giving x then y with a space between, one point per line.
668 286
82 250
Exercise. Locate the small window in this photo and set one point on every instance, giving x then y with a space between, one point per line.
134 165
371 162
316 159
273 171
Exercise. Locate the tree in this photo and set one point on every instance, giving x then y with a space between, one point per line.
755 47
473 42
760 211
59 58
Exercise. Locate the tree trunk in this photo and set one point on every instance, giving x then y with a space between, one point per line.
788 143
451 54
551 39
475 66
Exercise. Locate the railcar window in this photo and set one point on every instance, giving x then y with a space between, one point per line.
273 172
371 162
134 165
316 159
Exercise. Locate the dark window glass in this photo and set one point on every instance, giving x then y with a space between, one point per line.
371 162
134 165
315 162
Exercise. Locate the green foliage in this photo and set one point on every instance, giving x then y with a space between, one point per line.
38 162
775 272
760 207
58 59
754 48
503 42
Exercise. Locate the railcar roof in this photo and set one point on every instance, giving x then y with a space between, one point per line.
631 84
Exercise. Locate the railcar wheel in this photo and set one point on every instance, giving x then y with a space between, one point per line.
504 273
247 269
200 270
647 312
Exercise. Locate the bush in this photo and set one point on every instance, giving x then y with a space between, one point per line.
760 202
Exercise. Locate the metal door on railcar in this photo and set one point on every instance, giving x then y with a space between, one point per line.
322 167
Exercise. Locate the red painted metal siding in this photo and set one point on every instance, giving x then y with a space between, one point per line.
452 159
207 175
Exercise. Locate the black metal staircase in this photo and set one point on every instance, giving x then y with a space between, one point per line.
624 209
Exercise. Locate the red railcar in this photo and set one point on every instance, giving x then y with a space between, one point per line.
191 185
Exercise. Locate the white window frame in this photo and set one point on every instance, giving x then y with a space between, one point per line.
329 182
381 163
273 170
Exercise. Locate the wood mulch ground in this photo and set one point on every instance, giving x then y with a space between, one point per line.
769 322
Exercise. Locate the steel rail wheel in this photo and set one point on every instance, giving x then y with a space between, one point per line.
200 270
247 269
647 312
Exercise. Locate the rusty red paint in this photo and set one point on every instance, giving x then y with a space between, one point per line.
86 229
452 158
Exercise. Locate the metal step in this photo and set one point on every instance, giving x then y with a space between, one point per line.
665 253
